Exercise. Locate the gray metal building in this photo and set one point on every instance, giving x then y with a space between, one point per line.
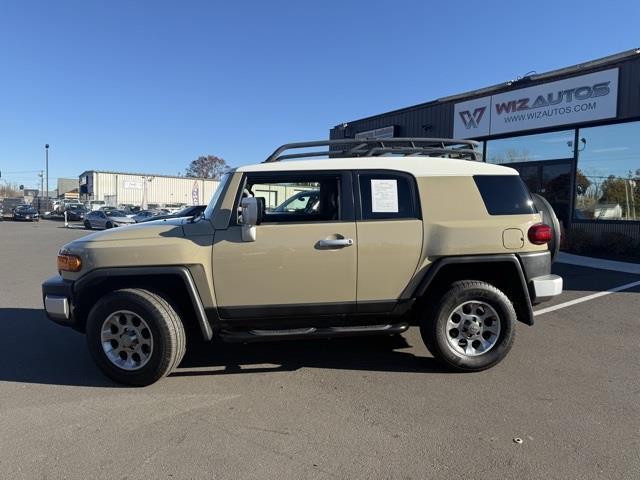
122 188
572 134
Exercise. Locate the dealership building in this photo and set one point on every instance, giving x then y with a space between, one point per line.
573 134
153 191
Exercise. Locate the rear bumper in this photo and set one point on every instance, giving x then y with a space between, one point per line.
543 285
57 296
546 287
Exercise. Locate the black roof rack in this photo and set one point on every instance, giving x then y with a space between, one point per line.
371 147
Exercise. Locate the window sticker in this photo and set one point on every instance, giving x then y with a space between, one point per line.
384 196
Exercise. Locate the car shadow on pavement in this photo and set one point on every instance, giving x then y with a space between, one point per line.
372 353
34 350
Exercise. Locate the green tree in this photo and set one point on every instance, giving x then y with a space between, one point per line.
582 183
613 190
208 166
624 192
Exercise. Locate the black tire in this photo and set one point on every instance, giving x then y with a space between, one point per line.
87 225
550 218
167 331
433 326
108 225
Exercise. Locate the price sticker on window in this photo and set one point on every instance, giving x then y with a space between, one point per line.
384 196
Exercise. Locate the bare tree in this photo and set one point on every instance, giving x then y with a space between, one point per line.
10 190
208 166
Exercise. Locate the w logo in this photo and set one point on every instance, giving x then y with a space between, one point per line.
471 120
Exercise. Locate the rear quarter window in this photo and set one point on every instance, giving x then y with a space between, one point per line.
504 194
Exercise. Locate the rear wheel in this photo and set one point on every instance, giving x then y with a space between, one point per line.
135 336
108 225
472 328
87 224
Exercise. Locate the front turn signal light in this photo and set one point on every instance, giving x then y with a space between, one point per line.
68 262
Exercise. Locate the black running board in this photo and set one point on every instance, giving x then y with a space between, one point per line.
246 336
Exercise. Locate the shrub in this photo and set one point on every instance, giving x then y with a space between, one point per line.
613 245
618 244
577 241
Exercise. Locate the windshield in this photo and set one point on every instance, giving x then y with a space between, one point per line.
216 196
185 212
300 202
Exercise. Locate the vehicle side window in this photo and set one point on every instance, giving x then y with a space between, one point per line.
387 196
301 197
505 194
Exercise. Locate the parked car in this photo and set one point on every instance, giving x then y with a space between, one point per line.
191 211
26 213
174 207
130 210
305 201
454 246
106 218
76 213
143 215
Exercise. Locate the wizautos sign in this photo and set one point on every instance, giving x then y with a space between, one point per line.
574 100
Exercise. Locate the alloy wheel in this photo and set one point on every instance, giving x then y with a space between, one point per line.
473 328
126 340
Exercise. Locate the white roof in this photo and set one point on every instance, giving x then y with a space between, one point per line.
417 166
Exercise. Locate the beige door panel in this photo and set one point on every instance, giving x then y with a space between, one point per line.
388 255
288 264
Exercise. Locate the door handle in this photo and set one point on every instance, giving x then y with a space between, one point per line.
339 242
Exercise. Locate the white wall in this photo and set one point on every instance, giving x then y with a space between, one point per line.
129 189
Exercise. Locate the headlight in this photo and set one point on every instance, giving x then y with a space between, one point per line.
68 262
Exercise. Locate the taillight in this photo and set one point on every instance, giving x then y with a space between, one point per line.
540 234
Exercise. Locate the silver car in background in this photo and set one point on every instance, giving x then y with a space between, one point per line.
106 218
145 215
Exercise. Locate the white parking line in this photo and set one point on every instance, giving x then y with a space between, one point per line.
586 298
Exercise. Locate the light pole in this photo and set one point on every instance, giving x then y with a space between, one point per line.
46 164
145 181
41 175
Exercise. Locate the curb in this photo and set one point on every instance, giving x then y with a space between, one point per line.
599 263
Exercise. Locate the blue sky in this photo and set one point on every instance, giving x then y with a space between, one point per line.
150 85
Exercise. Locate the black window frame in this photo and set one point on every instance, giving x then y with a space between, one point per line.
414 196
346 209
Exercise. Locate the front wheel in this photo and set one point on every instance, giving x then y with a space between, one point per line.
472 328
87 225
135 336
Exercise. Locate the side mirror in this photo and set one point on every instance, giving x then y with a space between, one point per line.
252 209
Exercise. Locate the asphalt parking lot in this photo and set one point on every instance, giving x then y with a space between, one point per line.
349 408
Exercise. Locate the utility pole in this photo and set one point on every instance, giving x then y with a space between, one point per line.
41 175
145 181
46 163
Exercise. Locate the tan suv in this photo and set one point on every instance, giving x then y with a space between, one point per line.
382 235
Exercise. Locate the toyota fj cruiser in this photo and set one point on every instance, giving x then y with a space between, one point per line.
393 233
